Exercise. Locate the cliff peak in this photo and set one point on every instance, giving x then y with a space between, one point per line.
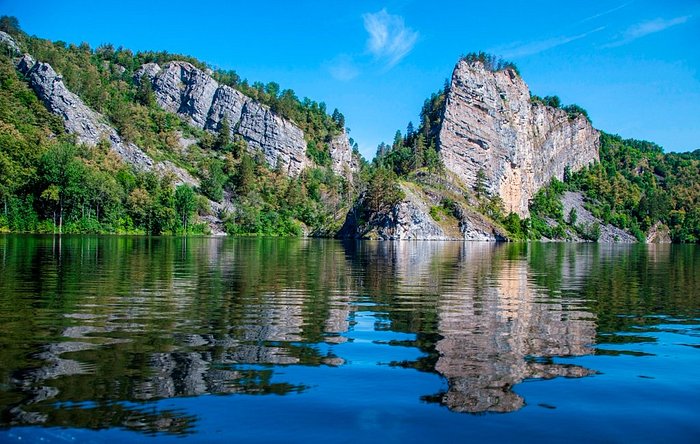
492 131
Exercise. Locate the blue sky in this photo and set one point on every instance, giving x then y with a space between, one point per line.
634 65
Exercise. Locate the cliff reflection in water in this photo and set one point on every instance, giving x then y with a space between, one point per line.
495 327
94 327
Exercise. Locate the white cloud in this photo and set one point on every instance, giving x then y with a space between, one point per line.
343 68
521 50
609 11
645 28
389 40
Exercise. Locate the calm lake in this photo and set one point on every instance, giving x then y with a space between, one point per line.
288 340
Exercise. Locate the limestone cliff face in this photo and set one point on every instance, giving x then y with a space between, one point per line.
489 124
89 126
183 89
343 161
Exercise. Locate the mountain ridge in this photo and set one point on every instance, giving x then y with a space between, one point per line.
489 161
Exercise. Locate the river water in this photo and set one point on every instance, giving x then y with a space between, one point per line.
299 340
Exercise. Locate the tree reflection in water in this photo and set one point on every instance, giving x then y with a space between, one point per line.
94 330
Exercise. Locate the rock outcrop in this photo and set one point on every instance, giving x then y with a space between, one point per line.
411 219
193 94
490 124
659 234
343 161
89 126
7 40
585 219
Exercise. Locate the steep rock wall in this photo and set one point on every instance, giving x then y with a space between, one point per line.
343 161
183 89
89 126
489 124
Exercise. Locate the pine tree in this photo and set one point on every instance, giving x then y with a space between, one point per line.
224 136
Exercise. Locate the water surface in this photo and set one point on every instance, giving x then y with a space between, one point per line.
269 340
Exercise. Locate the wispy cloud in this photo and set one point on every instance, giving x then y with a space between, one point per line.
531 48
343 68
389 40
609 11
640 30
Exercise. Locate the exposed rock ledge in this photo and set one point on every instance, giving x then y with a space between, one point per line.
608 233
8 41
89 126
410 219
182 88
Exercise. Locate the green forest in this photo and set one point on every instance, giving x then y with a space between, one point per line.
49 183
634 186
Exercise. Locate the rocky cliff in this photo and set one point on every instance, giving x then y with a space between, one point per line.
183 89
490 124
89 126
9 43
343 161
419 216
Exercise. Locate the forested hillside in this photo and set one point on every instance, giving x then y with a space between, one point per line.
49 182
635 186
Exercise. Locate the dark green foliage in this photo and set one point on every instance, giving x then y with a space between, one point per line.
223 137
339 119
514 225
383 191
244 178
547 201
490 61
418 148
573 217
48 183
144 93
185 205
480 184
214 180
634 186
320 156
589 232
9 24
572 111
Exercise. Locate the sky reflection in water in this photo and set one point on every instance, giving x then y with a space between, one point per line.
377 339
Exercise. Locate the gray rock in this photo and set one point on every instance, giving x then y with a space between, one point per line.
343 161
150 70
7 40
489 124
89 126
658 234
183 89
608 233
411 219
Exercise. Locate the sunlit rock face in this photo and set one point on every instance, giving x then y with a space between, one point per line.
490 124
183 89
344 161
